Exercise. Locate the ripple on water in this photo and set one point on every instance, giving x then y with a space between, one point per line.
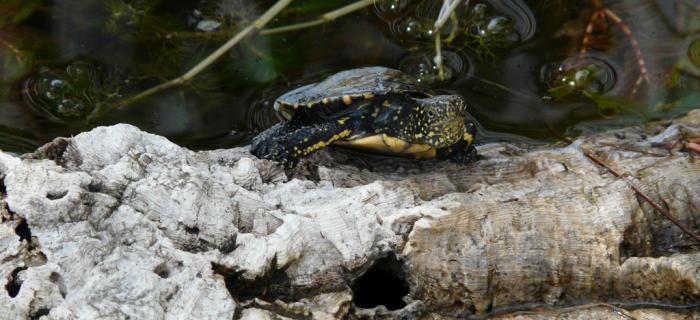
390 8
63 95
694 52
501 23
520 15
422 66
498 23
577 74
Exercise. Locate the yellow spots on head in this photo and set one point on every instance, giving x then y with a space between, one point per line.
326 101
347 99
386 103
468 137
368 96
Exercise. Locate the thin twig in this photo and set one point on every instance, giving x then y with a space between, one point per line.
637 190
633 42
586 42
448 7
438 56
601 13
187 76
446 11
576 308
324 18
506 88
17 52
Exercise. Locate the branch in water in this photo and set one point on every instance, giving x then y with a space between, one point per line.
326 17
187 76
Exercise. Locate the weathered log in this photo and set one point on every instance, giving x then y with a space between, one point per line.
117 223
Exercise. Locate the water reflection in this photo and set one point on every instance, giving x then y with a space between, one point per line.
504 56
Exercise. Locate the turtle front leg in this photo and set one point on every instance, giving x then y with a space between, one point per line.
463 151
263 145
294 145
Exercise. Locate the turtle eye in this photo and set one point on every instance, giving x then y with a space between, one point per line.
470 127
431 113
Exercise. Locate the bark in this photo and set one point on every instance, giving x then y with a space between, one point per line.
119 223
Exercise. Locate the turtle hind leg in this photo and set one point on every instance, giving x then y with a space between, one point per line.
292 146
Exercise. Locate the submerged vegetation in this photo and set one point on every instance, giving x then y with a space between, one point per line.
526 67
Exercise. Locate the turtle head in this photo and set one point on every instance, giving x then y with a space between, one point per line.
442 120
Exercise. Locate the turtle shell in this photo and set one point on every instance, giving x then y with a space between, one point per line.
347 87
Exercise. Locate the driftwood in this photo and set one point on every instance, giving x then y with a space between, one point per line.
116 223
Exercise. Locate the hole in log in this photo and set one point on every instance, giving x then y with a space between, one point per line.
39 313
272 286
162 270
13 283
23 231
58 280
192 230
56 195
229 245
384 283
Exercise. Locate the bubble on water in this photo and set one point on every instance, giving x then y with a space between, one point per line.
521 16
422 66
57 83
412 29
478 12
70 108
62 95
502 23
82 69
498 31
390 7
589 74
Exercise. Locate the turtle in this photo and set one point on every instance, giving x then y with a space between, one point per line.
378 109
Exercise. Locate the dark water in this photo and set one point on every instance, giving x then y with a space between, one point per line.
527 68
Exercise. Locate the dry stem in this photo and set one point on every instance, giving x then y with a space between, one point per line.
187 76
326 17
639 192
605 12
448 8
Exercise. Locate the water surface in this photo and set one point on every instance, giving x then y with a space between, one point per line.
529 69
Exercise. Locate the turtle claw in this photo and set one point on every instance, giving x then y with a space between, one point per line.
274 150
465 156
